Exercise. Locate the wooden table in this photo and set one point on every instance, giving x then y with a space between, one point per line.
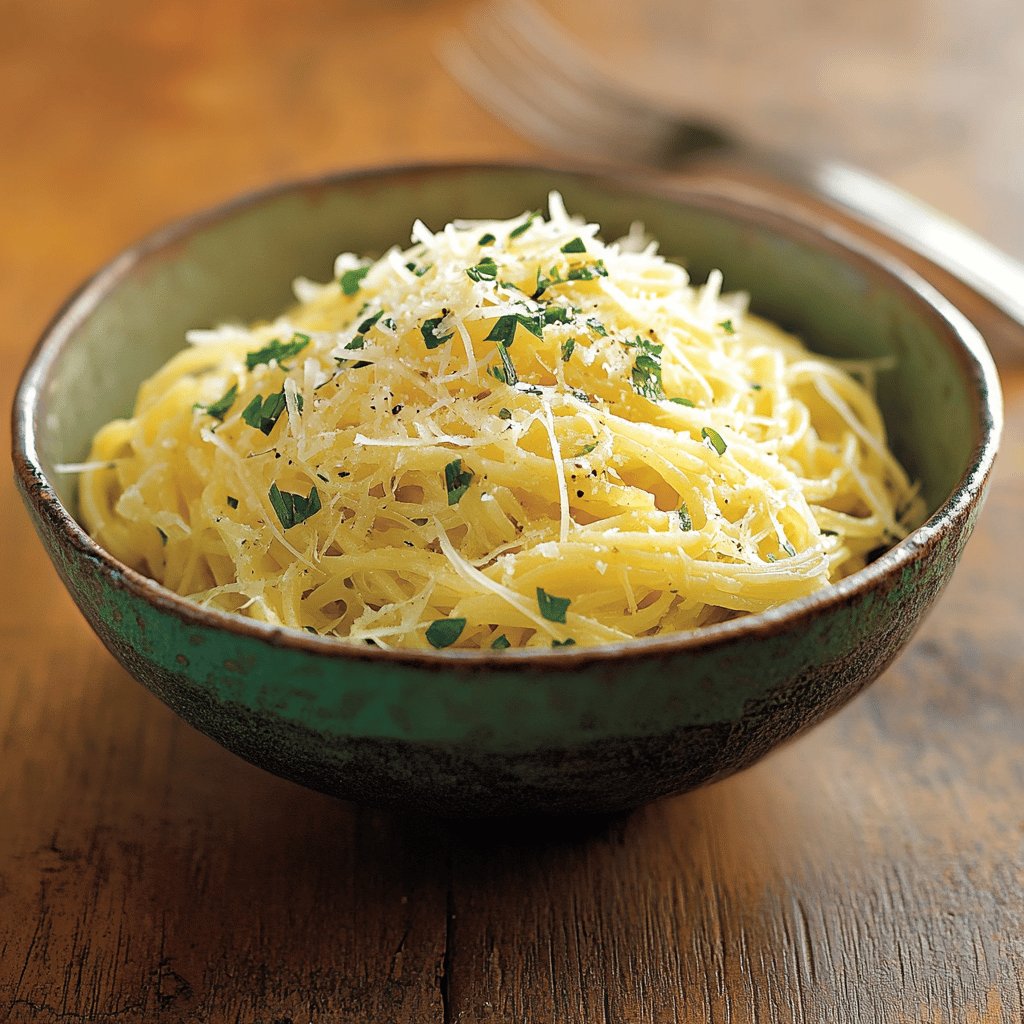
872 871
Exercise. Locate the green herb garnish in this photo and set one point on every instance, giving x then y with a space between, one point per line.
727 326
504 329
685 522
444 632
567 642
350 280
500 643
585 450
277 350
293 509
430 338
485 270
683 401
597 327
368 323
557 315
552 608
715 438
456 480
520 229
219 409
646 372
597 269
567 346
506 373
263 413
486 239
545 282
504 414
232 502
576 245
788 548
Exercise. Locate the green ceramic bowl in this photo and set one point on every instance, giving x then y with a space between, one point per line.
513 732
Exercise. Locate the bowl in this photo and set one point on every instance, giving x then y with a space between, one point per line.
517 732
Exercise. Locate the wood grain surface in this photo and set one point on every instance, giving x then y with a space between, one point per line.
873 871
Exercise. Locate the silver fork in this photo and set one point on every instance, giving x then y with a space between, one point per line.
518 63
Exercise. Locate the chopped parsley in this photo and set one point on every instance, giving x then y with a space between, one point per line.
500 643
350 280
683 401
597 327
685 522
485 239
456 480
567 642
576 245
585 450
727 326
429 331
557 315
356 343
504 414
444 632
232 502
567 346
418 271
755 387
552 608
646 372
219 409
263 413
485 270
293 509
522 228
545 282
597 269
368 323
714 438
504 329
277 350
506 373
788 548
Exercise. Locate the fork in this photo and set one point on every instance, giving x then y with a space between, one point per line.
518 63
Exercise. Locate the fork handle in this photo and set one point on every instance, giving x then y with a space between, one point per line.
990 272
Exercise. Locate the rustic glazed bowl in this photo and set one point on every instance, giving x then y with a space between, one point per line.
512 732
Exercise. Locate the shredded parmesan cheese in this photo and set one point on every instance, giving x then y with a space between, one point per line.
508 434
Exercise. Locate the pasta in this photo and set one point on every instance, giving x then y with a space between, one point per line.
509 434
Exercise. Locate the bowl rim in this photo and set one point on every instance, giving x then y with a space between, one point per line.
738 203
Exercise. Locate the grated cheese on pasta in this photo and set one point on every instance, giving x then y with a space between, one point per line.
509 434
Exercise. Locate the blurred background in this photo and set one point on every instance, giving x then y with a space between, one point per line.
118 116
